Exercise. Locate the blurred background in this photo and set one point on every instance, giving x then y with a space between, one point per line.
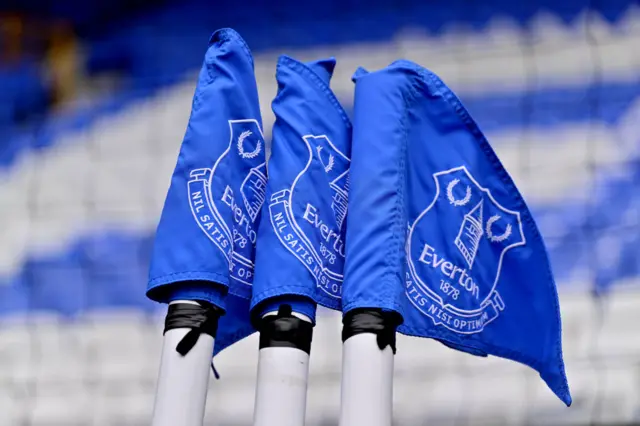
94 101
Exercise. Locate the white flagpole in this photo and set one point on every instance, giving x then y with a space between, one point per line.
367 382
366 394
283 372
183 380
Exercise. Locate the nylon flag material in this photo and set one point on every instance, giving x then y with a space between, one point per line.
300 251
205 241
438 232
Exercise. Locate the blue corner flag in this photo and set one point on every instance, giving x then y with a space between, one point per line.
438 232
205 241
300 251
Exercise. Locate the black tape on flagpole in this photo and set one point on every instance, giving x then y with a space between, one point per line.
201 319
376 321
284 330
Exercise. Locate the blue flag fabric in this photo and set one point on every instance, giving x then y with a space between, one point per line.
205 241
300 251
438 232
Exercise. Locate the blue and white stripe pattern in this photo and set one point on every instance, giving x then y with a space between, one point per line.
80 199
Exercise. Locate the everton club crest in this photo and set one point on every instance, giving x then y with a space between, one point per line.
455 251
226 199
309 218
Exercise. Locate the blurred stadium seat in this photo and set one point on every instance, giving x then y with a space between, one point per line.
555 85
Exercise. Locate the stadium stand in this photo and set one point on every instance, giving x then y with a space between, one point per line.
555 85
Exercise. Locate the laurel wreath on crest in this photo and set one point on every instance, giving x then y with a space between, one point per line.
329 166
452 199
252 154
497 238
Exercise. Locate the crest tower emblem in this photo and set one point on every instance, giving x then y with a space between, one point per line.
309 217
227 208
455 251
